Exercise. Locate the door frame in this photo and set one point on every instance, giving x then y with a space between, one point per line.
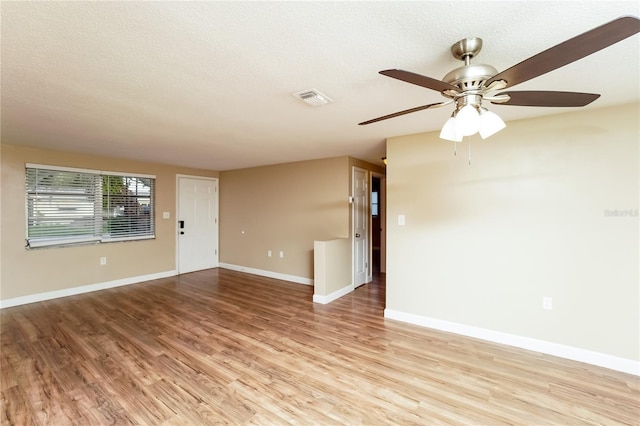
177 210
367 248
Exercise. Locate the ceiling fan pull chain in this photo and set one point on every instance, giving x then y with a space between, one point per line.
455 149
469 139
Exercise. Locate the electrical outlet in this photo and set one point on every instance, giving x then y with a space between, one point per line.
281 254
547 303
103 260
166 215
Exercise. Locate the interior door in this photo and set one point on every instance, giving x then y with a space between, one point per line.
197 224
360 208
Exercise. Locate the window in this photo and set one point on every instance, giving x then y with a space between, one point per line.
374 204
68 206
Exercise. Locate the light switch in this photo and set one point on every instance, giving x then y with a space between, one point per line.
401 220
166 215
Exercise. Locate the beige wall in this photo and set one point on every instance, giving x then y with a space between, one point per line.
27 272
285 208
484 243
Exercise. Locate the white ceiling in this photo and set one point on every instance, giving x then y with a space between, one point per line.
209 84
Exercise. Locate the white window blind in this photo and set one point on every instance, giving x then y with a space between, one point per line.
67 206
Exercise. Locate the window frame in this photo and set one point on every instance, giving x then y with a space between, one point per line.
99 217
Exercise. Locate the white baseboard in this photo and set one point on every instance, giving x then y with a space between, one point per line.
333 296
549 348
32 298
268 274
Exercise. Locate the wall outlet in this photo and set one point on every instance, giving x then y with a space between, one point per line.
103 260
401 220
269 253
547 303
166 215
281 254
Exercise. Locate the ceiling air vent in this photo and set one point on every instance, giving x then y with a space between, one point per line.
313 97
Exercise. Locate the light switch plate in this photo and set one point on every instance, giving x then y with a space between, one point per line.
166 215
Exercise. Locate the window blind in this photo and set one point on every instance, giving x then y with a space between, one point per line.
68 206
128 210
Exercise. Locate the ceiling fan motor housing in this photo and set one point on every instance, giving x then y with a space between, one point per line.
470 77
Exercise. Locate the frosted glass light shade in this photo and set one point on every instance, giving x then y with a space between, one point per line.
490 124
448 131
467 121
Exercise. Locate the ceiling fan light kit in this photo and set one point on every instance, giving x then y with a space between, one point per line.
448 131
490 123
469 85
469 121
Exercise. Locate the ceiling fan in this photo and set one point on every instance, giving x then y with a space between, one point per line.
469 85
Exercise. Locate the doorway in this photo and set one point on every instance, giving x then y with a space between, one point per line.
197 224
378 224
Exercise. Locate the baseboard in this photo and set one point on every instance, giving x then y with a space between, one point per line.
333 296
268 274
569 352
32 298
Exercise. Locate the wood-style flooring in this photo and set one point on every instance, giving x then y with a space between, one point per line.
222 347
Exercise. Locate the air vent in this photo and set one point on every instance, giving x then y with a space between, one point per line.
313 97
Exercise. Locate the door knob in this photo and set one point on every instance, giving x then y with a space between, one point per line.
357 235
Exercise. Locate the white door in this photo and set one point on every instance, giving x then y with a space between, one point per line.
360 206
197 224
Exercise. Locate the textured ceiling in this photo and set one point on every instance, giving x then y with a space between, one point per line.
209 84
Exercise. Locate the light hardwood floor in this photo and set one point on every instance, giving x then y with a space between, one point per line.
222 347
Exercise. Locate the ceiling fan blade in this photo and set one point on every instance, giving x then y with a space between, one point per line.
406 111
548 98
420 80
569 51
